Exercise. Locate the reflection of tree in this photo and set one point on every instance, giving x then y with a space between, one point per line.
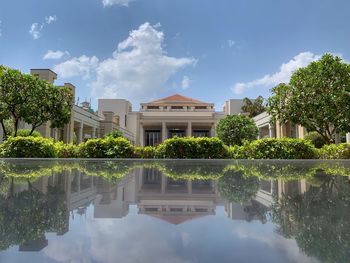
29 214
318 219
235 187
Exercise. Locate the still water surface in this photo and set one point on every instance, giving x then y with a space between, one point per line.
174 211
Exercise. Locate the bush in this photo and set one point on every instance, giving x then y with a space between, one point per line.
237 152
106 148
281 148
67 150
192 148
147 152
235 129
333 151
114 134
316 139
26 133
28 147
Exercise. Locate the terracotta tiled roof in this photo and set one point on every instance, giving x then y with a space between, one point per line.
176 219
177 97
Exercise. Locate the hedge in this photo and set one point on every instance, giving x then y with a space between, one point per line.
192 148
28 147
333 151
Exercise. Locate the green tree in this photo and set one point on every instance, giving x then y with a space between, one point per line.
25 97
254 107
317 97
235 129
114 134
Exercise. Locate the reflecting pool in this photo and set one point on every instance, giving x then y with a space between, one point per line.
174 211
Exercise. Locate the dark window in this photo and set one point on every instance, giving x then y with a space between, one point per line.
177 107
200 133
153 137
153 107
201 107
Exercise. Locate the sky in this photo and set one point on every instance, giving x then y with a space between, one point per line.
143 50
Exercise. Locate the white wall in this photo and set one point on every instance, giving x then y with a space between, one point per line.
119 106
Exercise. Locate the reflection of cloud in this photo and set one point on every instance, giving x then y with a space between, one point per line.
287 246
72 252
131 241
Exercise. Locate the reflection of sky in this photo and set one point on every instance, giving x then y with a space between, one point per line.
141 238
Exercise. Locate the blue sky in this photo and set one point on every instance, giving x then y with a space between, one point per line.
147 49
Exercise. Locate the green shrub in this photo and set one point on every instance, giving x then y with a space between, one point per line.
147 152
106 148
67 150
114 134
28 147
237 152
26 133
316 139
235 129
192 148
281 148
333 151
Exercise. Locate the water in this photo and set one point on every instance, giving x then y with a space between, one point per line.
174 211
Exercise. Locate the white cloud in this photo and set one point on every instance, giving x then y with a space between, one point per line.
282 76
231 43
36 28
185 83
55 54
50 19
116 2
139 68
82 66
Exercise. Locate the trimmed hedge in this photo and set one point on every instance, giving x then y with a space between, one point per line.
28 147
106 148
316 139
147 152
192 148
333 151
67 150
271 148
26 133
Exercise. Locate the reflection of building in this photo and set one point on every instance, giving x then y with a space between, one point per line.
34 245
174 201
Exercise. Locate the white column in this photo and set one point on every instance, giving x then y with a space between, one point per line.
93 135
189 129
271 131
348 137
212 131
80 133
142 133
164 132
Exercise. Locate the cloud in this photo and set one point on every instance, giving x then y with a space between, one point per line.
55 54
138 69
185 83
282 76
50 19
82 66
36 28
231 43
116 2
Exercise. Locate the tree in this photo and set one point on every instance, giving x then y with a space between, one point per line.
254 107
317 97
114 134
25 97
235 129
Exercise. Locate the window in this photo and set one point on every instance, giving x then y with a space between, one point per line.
153 107
177 107
201 133
126 119
201 107
153 137
176 132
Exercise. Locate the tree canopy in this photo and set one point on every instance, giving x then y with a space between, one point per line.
32 100
317 97
235 129
253 107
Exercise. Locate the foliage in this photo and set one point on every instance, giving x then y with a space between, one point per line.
235 187
28 147
147 152
333 151
235 129
114 134
25 97
26 133
106 148
317 219
316 98
192 148
67 150
282 148
316 139
254 107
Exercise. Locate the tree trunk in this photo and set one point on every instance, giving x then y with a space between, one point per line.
15 126
4 130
